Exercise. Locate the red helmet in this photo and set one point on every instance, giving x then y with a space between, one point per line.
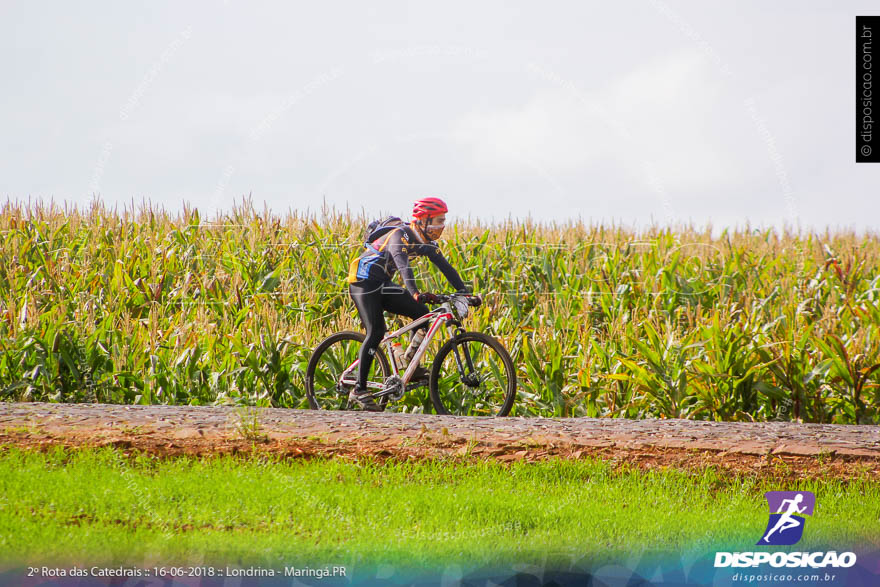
429 207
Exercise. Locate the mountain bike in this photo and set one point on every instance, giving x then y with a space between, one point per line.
472 373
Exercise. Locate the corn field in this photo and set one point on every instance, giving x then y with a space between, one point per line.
141 306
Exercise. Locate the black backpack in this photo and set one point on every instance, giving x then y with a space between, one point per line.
379 228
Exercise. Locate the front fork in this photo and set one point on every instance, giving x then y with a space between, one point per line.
463 360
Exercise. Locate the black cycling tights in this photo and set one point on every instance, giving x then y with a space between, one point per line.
371 300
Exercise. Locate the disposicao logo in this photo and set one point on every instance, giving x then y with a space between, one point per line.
787 511
784 528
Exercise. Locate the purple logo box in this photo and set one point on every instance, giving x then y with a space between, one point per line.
775 499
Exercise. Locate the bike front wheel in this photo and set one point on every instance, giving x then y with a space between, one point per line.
331 373
473 375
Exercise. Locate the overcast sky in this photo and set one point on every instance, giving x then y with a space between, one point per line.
628 111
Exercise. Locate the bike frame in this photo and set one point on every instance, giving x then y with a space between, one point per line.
439 317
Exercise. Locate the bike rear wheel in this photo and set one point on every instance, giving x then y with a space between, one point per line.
326 389
473 375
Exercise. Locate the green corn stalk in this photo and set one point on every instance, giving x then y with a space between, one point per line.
146 306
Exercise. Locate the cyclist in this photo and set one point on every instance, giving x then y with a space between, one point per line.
373 291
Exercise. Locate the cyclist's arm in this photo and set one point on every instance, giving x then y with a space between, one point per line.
398 249
443 265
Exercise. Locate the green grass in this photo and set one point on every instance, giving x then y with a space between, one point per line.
100 506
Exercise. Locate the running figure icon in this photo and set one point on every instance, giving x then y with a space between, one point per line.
786 521
788 509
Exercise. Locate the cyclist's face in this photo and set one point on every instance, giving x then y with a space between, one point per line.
436 224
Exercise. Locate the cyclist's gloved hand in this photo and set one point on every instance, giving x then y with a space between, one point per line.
427 298
475 300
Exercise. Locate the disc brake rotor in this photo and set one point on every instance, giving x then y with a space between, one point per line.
472 380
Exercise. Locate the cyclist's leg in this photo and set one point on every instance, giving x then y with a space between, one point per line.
398 301
368 301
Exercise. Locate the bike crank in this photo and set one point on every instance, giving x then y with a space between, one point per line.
393 388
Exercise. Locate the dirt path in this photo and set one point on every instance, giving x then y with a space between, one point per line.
781 449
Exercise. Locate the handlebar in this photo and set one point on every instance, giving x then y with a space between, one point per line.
472 299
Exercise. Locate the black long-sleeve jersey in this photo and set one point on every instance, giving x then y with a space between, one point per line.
392 252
